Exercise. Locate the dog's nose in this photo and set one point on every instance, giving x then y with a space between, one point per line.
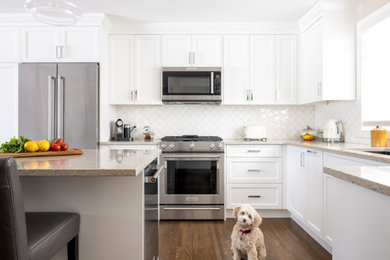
244 220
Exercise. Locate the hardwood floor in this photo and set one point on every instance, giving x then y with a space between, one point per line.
206 240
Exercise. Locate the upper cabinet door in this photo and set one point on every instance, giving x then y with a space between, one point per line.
262 71
8 100
80 44
208 50
9 44
177 51
286 73
312 62
40 44
122 69
236 69
147 69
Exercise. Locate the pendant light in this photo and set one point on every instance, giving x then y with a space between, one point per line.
54 12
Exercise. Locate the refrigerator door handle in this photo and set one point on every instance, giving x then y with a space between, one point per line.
50 108
60 107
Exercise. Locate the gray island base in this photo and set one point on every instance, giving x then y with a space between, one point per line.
105 187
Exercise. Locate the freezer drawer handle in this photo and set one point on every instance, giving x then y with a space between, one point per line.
254 170
254 151
191 208
254 196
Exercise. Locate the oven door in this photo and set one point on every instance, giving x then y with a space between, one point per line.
192 179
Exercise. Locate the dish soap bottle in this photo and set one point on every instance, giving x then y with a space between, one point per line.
378 137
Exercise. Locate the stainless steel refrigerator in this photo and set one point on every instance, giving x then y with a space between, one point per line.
60 100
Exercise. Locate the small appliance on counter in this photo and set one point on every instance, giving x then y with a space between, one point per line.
333 131
378 137
255 133
121 131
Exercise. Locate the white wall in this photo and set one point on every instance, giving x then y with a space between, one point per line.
282 122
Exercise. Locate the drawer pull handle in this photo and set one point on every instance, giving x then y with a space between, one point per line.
254 196
254 151
310 151
254 170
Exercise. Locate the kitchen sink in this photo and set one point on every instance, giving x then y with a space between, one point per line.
379 152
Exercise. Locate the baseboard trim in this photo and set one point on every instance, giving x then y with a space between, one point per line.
266 213
311 233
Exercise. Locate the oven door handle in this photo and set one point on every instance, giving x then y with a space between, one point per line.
153 179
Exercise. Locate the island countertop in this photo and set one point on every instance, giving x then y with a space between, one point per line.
105 162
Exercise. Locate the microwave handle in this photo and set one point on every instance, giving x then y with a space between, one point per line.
212 83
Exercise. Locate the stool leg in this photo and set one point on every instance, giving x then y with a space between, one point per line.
73 248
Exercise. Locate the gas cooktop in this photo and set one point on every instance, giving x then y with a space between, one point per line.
191 138
192 143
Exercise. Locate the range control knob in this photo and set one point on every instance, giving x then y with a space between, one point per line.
192 146
171 146
211 146
220 146
163 145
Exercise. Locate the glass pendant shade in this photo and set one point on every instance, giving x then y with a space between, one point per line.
54 12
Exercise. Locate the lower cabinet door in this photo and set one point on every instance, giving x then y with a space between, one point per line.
260 196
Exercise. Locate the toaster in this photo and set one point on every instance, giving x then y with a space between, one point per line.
255 133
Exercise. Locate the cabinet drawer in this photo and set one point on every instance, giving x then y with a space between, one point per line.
262 196
254 151
264 170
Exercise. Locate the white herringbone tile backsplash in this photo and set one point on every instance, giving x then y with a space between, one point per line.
349 114
282 122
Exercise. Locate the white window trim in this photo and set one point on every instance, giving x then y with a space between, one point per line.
362 26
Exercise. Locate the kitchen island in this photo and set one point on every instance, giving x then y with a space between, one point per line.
106 187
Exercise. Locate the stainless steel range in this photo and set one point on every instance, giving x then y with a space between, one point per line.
192 185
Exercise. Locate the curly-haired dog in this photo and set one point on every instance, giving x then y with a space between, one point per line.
247 238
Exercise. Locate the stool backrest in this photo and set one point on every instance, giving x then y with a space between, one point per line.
13 234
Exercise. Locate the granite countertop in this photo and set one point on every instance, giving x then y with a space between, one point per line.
134 142
376 178
347 149
105 162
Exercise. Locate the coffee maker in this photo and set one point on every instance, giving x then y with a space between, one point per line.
121 131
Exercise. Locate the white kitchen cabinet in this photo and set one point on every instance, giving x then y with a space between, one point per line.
286 69
135 69
236 70
121 49
147 69
262 69
40 44
8 101
327 234
328 53
296 182
254 170
208 50
314 168
192 50
312 64
254 175
81 44
9 44
56 44
304 186
260 196
176 50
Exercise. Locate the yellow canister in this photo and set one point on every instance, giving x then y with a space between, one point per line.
378 137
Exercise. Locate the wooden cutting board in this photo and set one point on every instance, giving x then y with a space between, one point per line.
70 151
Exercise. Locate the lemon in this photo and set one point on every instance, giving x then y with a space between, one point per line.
31 146
44 145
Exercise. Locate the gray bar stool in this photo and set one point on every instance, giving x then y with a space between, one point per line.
31 235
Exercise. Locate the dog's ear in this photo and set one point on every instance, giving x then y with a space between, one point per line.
235 211
258 220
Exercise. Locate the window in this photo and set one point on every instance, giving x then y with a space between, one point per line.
374 40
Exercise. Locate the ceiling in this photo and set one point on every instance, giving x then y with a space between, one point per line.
188 10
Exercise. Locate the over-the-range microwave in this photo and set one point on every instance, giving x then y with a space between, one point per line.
191 86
